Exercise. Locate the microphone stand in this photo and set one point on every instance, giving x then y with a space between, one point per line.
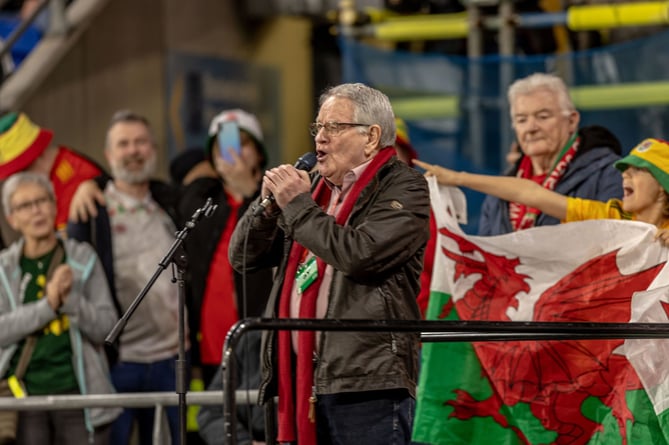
180 262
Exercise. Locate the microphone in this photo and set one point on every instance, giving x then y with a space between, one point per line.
306 162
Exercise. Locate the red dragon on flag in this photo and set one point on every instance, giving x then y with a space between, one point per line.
536 392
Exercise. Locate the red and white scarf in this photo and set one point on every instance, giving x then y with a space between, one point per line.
299 424
523 217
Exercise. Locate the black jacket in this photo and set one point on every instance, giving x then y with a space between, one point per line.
377 259
590 175
200 246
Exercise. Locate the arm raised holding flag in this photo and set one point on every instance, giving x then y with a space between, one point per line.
508 188
645 176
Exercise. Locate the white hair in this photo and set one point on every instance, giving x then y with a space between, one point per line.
542 81
17 180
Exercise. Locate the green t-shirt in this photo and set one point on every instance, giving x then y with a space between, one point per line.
50 369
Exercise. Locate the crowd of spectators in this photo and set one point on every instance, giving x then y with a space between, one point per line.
55 197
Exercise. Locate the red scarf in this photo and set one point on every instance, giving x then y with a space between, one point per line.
523 217
302 424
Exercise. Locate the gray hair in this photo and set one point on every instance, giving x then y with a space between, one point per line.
129 116
17 180
370 106
542 81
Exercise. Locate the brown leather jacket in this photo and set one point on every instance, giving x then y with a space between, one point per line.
377 259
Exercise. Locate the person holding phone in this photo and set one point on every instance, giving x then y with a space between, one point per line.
235 148
228 138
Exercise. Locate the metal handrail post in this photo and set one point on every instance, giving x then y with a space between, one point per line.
507 46
159 400
474 84
58 25
128 400
159 418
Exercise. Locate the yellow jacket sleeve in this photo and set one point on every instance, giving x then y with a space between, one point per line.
579 209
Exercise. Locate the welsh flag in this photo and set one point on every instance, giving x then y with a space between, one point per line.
545 392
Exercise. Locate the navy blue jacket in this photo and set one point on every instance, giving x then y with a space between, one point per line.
590 175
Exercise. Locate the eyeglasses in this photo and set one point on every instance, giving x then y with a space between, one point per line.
27 206
332 128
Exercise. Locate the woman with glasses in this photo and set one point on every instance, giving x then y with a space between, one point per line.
55 311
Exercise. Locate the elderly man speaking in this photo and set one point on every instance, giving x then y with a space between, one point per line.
348 242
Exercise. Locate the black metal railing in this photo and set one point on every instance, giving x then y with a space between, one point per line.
431 331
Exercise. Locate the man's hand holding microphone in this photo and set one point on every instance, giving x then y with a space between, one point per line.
282 184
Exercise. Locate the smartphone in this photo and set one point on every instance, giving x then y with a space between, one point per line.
228 137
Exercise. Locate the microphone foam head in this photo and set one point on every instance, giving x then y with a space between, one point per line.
306 162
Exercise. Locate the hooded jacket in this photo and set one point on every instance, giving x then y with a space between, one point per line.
377 259
590 175
89 308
